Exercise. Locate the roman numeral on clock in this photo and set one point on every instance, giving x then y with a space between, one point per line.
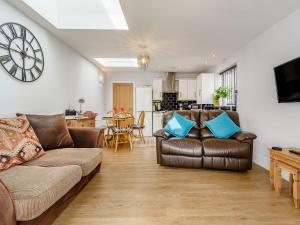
13 30
23 33
38 70
5 59
23 74
38 60
4 46
32 75
5 35
13 70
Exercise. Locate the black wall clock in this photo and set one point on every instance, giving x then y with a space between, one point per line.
20 52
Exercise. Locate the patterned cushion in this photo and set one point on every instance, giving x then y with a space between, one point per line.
122 130
18 142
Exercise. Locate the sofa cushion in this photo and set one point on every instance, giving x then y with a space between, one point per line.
206 115
51 131
34 189
222 126
192 115
225 148
179 126
182 147
86 158
18 142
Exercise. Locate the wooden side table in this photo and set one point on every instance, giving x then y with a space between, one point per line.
284 160
80 122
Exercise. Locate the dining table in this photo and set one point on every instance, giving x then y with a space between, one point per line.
109 125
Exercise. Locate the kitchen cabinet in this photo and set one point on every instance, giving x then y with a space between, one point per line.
192 90
157 121
187 89
157 87
205 88
182 88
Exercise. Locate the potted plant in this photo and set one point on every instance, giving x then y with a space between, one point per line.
220 94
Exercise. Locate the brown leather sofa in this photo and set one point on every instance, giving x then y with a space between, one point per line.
200 149
36 192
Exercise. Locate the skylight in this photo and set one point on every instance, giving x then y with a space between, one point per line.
81 14
117 62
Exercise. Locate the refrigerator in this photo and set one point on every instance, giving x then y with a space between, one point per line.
143 102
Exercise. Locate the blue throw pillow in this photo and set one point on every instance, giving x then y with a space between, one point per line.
222 126
179 126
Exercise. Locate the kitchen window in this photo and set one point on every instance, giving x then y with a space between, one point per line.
228 79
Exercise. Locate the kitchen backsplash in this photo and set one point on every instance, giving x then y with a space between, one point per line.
169 101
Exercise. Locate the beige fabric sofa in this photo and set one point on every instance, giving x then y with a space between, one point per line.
40 189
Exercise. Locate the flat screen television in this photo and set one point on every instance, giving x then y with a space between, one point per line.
287 78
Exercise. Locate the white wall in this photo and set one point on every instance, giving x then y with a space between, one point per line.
66 78
275 124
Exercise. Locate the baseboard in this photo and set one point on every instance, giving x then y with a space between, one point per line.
264 161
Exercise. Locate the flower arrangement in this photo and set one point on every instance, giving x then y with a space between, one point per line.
219 94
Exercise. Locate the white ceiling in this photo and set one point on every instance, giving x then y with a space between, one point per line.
181 35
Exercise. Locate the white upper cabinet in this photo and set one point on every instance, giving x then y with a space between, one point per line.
205 88
192 90
182 95
157 87
187 89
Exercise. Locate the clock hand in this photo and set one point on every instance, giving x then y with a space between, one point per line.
14 50
18 47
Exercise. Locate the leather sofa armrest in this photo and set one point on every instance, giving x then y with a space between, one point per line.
244 136
87 137
161 134
7 209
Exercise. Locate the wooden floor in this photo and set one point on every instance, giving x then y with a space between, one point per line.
132 189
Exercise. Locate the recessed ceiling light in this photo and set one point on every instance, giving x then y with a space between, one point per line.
94 14
213 55
117 62
114 10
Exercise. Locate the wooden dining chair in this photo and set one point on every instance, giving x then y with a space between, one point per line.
122 129
108 133
140 126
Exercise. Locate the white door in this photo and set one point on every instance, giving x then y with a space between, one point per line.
157 85
192 89
199 89
183 89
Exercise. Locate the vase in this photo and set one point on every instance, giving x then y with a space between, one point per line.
220 101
